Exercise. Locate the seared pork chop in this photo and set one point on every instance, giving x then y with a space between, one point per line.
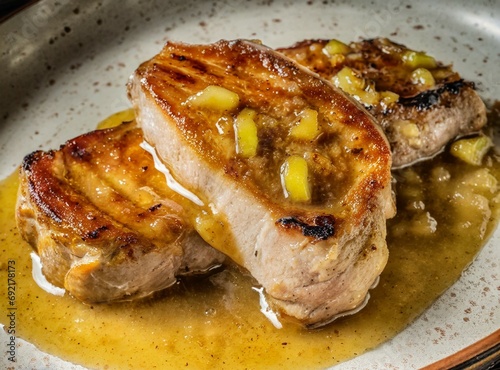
103 221
296 173
420 103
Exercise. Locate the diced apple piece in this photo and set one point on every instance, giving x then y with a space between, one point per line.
336 47
216 98
387 98
417 59
423 77
348 81
245 130
356 86
368 96
294 179
307 128
471 150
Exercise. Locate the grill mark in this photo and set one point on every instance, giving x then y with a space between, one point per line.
94 234
425 100
46 209
175 75
322 227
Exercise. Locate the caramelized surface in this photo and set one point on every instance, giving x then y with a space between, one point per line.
315 257
348 144
378 60
103 221
418 116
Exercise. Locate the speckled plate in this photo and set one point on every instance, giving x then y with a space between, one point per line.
64 65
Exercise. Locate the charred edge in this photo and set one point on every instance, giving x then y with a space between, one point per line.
322 229
30 159
154 208
77 152
150 209
32 190
94 234
427 99
180 58
33 185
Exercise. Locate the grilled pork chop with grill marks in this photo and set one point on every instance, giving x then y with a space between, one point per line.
103 221
297 173
420 103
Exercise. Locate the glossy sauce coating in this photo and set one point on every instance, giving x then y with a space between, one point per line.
216 322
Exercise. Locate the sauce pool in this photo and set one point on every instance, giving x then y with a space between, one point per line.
446 211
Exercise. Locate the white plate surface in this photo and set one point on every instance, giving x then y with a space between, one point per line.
64 66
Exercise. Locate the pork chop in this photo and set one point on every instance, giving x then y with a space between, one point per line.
421 104
295 172
103 221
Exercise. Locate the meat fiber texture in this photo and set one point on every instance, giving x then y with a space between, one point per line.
315 259
103 222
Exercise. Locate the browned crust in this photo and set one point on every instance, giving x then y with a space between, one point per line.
110 247
58 203
181 70
308 257
449 110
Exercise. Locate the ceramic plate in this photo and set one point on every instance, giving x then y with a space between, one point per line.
64 66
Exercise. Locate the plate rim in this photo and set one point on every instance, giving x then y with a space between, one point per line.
482 347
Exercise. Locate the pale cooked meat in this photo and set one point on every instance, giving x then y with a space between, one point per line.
424 118
315 258
103 221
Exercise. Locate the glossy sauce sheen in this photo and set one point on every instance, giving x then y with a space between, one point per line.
216 322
